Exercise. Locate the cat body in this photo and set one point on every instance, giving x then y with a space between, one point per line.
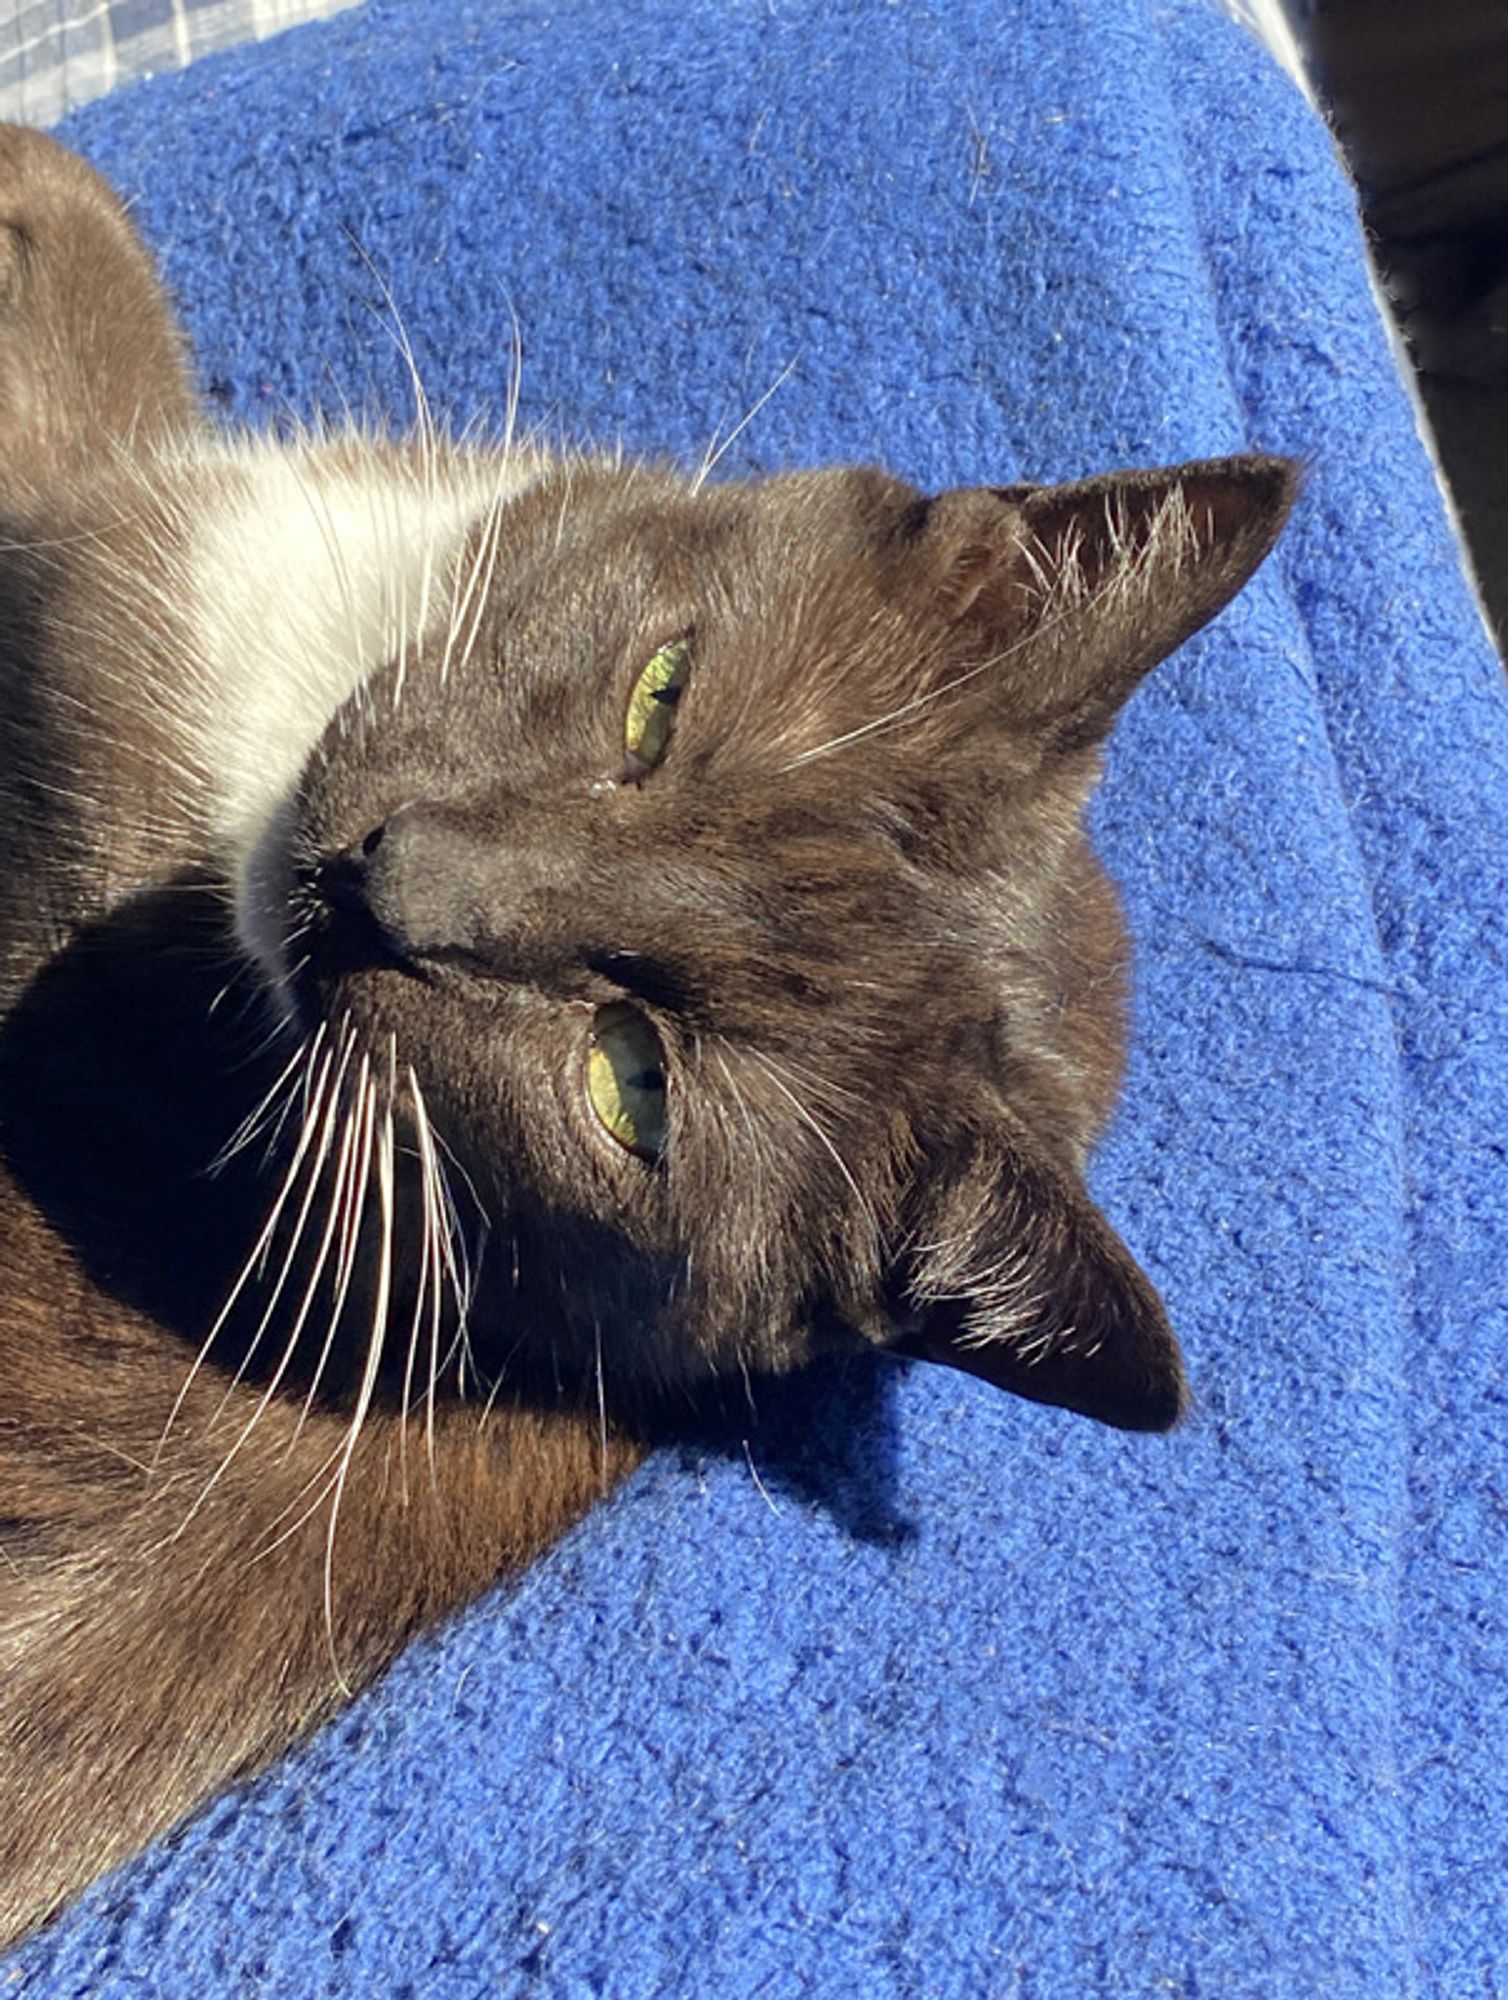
495 946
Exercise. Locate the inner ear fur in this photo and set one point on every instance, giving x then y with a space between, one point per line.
1084 587
1011 1273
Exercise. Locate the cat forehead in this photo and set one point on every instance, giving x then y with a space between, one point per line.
795 578
809 685
660 526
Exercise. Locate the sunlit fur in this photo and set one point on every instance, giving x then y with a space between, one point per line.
326 1295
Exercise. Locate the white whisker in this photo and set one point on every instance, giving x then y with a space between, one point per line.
375 1343
348 1199
771 1069
260 1246
715 450
256 1120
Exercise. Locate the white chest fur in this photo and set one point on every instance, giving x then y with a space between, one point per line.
310 569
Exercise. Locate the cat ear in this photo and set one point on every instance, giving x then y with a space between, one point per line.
1087 586
1013 1274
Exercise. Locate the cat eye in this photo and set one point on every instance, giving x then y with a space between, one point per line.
652 706
625 1079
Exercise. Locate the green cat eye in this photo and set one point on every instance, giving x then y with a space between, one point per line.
625 1079
651 706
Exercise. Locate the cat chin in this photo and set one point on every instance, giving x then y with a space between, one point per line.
260 910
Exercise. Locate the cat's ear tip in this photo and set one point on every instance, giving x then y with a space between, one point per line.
1291 476
1160 1404
1153 1399
1289 467
1273 480
1280 466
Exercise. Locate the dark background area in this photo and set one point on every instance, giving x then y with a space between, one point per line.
1418 97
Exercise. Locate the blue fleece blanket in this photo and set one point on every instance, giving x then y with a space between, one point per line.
936 1693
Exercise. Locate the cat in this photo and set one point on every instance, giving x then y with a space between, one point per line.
494 946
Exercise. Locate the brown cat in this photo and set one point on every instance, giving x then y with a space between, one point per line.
490 946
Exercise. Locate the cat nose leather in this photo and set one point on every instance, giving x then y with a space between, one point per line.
426 885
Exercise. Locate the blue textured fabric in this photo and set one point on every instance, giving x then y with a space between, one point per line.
939 1694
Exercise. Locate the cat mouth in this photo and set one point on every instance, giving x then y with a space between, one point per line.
338 936
306 926
349 934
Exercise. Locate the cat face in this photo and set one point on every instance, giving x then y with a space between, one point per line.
711 882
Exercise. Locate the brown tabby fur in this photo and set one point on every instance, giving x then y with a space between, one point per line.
854 899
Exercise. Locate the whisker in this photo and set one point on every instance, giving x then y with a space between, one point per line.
515 380
435 1239
259 1247
290 1345
375 1344
348 1198
759 1485
715 450
321 1154
255 1121
462 1272
771 1069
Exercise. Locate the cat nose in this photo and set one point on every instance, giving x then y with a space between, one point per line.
415 883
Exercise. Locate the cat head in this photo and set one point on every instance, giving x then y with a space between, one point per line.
711 882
